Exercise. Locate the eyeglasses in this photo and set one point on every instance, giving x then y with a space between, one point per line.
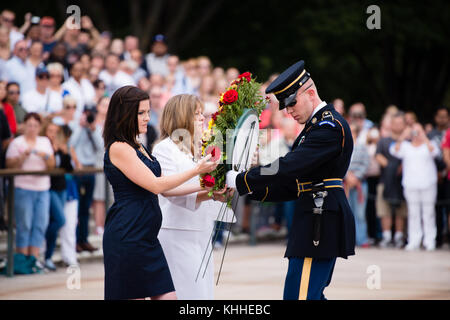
22 49
8 20
294 102
69 107
43 77
357 115
13 92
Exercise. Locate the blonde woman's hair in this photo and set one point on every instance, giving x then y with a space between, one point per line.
56 66
68 99
177 120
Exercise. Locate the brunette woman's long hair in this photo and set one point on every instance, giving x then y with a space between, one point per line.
121 122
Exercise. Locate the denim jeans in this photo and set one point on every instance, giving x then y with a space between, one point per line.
86 191
57 220
359 211
32 214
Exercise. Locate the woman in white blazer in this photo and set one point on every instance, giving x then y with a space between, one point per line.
188 212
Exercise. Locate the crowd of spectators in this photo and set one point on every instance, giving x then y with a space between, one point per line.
55 85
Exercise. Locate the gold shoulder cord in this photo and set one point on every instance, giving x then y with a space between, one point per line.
245 180
265 196
343 135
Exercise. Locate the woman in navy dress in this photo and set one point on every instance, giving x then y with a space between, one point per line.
135 265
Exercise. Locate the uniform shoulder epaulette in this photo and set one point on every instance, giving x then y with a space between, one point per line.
327 118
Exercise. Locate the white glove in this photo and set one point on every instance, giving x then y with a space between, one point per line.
231 178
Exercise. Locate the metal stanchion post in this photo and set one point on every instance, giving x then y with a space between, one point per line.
253 223
10 262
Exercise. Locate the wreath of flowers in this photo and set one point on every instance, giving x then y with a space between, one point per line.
243 93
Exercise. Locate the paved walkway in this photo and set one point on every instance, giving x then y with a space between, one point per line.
257 272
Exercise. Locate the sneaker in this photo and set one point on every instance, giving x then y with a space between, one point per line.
398 240
218 245
384 243
50 265
35 265
411 247
398 243
86 246
66 264
99 231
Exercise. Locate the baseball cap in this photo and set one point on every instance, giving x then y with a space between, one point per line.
41 70
47 21
160 38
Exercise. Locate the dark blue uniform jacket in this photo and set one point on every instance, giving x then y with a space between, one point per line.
321 151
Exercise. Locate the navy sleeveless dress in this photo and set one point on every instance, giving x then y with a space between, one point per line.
135 265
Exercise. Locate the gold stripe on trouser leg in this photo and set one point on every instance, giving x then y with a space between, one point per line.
304 281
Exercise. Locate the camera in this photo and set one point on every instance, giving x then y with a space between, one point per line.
35 20
91 113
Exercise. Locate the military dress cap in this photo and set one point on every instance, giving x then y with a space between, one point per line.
286 85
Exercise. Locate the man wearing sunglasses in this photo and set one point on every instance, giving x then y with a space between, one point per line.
19 69
323 226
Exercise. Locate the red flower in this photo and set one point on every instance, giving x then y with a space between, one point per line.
209 181
230 96
214 115
246 75
214 151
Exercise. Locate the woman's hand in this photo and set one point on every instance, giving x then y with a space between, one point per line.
26 153
205 166
223 195
255 157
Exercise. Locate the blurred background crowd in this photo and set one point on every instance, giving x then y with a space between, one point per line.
55 85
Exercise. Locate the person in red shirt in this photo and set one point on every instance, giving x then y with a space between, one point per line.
7 108
446 155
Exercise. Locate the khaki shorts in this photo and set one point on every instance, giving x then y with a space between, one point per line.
384 208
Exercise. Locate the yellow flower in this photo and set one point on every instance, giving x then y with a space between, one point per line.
210 124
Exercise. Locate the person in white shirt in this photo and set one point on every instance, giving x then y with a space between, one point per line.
156 60
80 89
419 183
7 18
188 212
57 93
19 69
112 76
37 100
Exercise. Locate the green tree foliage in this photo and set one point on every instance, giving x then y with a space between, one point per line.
406 62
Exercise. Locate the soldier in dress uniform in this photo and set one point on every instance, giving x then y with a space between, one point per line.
323 227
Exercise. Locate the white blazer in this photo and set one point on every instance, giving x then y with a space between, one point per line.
181 212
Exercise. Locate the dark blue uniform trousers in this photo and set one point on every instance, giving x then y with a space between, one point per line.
307 278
